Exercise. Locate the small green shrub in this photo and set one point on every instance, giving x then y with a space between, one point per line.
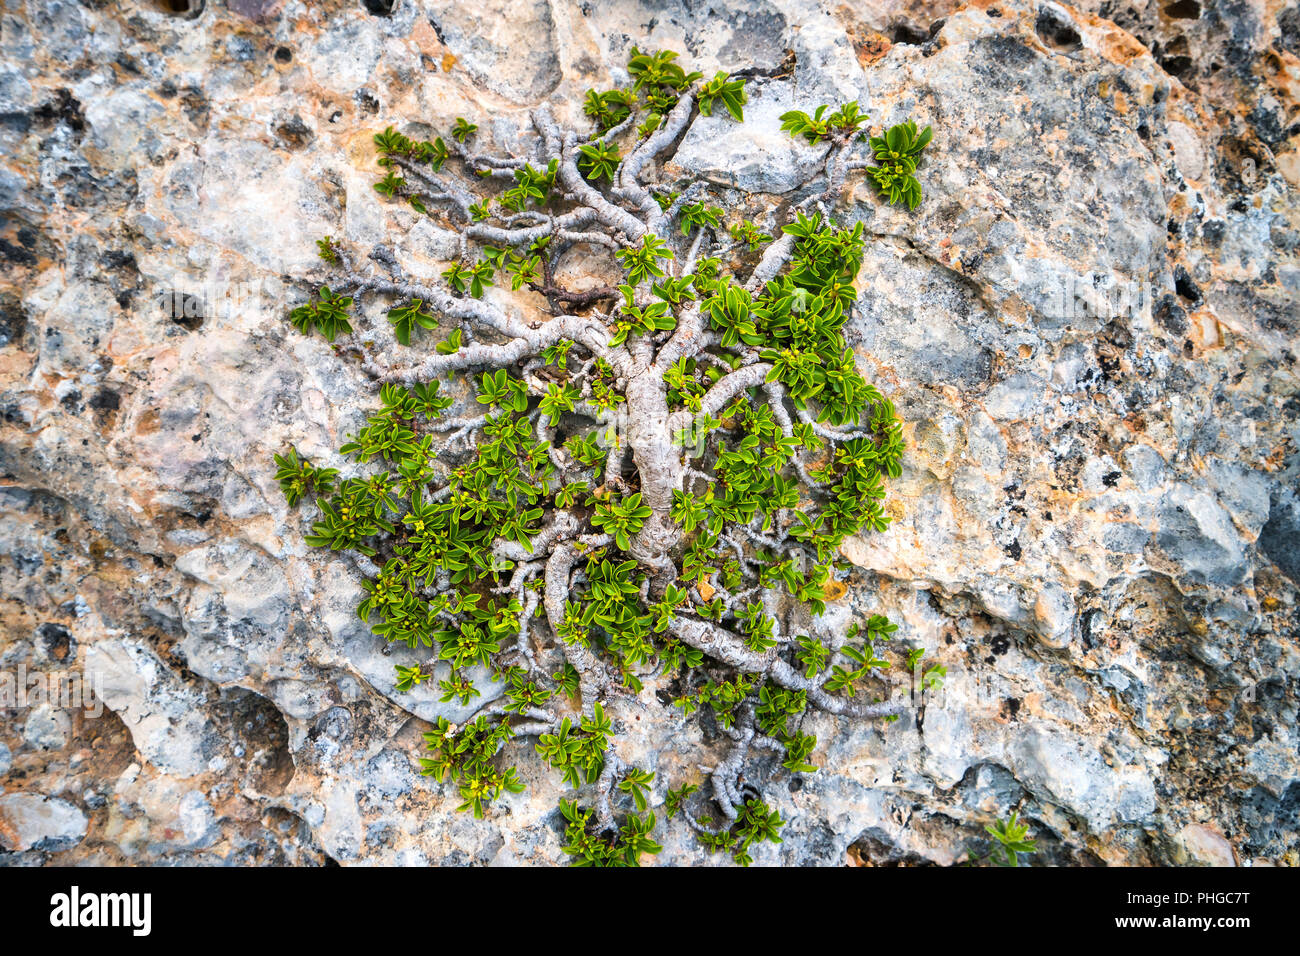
649 476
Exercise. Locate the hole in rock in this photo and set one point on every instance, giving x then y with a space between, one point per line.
1054 30
905 31
1184 10
187 9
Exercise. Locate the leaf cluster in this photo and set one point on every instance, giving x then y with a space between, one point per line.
844 122
327 313
622 847
897 154
755 823
299 477
466 757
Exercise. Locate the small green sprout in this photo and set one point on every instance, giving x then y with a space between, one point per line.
327 313
299 477
730 93
1012 840
599 159
463 129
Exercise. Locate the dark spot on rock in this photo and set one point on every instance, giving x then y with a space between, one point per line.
294 133
1212 231
63 108
1178 65
262 731
1171 316
118 259
283 54
106 400
1010 707
1110 479
796 784
1113 341
13 320
367 101
1184 285
1288 26
1242 165
1271 822
19 122
196 107
1013 550
1183 10
1268 125
1000 644
379 8
1280 537
184 309
56 641
185 9
1056 31
1003 60
1086 635
903 30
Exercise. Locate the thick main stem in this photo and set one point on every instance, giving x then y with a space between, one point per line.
659 462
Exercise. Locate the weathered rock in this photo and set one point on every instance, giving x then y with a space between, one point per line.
1206 846
30 820
1088 328
756 156
165 716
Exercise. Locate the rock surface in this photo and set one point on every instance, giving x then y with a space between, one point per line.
1089 328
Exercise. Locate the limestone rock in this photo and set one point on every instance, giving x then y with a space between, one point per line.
30 820
1088 328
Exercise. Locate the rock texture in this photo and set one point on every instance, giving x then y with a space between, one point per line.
1089 327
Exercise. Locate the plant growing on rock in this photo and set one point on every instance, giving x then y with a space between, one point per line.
1011 838
657 477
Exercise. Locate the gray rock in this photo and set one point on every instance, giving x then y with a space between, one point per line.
1280 536
1087 328
34 821
165 717
1065 769
508 47
755 155
46 728
1198 536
